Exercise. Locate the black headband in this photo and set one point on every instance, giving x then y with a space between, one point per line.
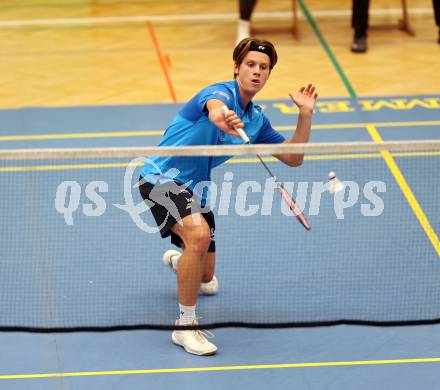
261 48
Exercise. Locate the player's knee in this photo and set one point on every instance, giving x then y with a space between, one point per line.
198 239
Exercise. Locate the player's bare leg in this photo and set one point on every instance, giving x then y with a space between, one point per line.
196 238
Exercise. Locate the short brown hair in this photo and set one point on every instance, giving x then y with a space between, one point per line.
244 47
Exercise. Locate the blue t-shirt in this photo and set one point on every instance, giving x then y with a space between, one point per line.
191 126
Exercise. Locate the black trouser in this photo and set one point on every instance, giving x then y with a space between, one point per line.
246 8
436 6
359 17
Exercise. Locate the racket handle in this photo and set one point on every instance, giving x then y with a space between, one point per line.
239 130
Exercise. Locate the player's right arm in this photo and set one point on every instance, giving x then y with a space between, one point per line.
225 122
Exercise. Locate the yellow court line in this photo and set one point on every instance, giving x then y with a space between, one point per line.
337 157
120 134
232 161
408 124
403 184
415 154
63 167
309 158
221 368
107 134
342 156
361 125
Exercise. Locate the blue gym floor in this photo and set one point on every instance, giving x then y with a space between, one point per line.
341 357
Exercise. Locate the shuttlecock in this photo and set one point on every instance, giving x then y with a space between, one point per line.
334 184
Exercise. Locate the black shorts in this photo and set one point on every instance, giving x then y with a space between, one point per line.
170 203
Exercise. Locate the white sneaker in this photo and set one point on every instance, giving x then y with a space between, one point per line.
210 288
194 341
167 258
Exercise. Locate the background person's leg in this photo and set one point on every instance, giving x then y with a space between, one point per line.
359 22
246 7
436 6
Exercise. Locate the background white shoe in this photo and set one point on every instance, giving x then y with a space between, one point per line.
170 258
210 288
194 341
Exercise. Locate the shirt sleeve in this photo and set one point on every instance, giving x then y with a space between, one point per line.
195 108
268 135
217 91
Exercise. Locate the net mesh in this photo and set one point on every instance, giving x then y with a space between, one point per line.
80 249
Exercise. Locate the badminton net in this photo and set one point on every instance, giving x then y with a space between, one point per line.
80 250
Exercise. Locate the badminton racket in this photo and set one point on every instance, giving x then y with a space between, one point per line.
285 196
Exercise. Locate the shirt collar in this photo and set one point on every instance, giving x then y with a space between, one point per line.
250 107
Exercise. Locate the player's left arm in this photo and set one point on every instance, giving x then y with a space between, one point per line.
305 100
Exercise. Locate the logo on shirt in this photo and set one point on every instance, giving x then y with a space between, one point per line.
224 94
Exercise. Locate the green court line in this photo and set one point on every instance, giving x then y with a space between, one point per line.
374 134
220 368
327 49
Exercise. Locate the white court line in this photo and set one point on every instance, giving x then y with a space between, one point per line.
231 17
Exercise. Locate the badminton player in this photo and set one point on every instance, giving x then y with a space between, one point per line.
167 185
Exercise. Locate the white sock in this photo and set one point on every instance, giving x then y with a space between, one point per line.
175 261
187 314
243 29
